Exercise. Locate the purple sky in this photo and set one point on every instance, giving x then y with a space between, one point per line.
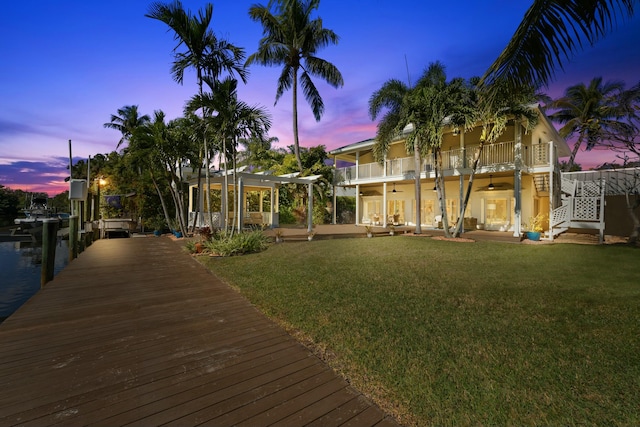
68 65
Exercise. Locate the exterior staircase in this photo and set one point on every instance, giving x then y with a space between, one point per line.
581 206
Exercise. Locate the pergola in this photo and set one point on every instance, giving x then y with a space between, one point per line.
246 182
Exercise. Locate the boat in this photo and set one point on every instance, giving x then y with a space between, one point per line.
31 224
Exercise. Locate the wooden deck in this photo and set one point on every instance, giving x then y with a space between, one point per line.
135 331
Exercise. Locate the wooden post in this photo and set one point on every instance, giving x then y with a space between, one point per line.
73 237
49 240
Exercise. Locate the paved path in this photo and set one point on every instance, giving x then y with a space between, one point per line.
135 331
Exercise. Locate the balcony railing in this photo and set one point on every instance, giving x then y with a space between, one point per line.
502 153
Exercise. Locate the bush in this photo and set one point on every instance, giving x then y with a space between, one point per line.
286 217
226 244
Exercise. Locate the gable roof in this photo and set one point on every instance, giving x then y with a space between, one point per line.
346 152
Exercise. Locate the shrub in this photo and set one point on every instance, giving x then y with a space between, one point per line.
226 244
286 217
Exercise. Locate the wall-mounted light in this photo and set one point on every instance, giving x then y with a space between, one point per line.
456 131
491 186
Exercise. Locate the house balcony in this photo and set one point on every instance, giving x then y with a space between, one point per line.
500 156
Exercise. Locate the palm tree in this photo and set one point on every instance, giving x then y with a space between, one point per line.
291 39
127 120
588 112
144 152
206 53
551 32
424 107
233 119
493 115
260 154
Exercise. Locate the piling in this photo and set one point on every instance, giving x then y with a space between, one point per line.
73 237
49 241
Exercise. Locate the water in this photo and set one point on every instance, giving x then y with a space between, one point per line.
20 267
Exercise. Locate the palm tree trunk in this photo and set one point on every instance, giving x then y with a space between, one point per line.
574 151
296 142
207 171
465 202
441 192
197 210
162 202
417 166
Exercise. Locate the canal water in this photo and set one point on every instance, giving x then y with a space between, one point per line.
20 266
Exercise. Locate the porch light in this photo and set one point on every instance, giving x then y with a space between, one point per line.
491 186
456 131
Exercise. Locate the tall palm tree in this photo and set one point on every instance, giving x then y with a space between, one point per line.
206 53
126 121
291 39
493 115
233 119
588 112
144 153
425 107
551 32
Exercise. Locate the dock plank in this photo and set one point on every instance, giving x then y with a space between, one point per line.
136 332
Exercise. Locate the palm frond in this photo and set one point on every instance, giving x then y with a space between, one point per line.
550 33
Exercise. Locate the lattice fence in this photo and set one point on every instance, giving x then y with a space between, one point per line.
586 209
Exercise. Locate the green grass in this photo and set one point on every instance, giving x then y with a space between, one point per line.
446 333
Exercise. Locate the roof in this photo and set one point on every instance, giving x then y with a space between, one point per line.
545 122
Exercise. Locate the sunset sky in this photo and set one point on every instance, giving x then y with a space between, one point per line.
68 65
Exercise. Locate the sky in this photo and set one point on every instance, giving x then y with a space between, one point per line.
67 65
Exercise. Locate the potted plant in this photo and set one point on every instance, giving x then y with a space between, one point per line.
534 228
157 224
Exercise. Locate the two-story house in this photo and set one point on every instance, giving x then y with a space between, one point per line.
513 182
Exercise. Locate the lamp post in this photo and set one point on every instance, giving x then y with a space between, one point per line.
97 213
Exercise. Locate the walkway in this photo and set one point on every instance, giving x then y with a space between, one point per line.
134 331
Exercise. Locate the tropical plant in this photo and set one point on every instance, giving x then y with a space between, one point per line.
588 112
422 110
260 154
622 133
551 32
232 120
206 53
126 122
493 115
536 223
291 39
145 148
229 244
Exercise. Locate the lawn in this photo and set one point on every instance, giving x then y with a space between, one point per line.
446 333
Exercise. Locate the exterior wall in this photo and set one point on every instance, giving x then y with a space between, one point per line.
617 219
490 209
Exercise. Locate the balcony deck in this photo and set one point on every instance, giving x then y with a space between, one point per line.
494 157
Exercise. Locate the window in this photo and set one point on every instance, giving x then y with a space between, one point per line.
427 211
395 211
496 212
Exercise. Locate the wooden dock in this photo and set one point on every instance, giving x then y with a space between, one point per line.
136 332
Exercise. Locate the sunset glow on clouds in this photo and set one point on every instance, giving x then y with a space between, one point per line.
69 65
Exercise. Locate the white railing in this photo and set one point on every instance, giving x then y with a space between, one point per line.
400 167
501 153
369 170
537 155
560 215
